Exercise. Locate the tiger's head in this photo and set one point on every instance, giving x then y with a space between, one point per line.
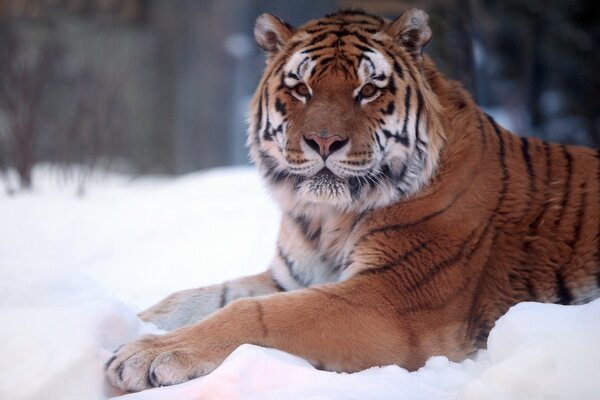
343 115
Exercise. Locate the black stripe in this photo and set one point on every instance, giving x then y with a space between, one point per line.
417 120
390 108
564 294
224 292
408 67
317 39
567 188
316 235
282 84
266 135
329 23
530 258
530 175
151 378
391 86
528 164
379 142
483 132
562 291
358 219
267 161
290 266
280 107
322 29
402 138
364 49
120 370
397 261
368 60
406 109
323 63
109 362
299 67
502 161
359 37
276 283
397 68
314 48
395 227
277 70
261 318
465 249
530 288
270 171
399 137
259 119
304 225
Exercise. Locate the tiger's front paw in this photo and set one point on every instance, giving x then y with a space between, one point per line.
153 361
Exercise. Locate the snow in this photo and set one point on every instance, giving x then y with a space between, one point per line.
75 270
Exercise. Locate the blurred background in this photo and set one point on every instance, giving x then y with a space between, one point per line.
162 87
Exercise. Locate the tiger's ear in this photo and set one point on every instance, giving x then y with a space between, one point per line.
412 31
271 33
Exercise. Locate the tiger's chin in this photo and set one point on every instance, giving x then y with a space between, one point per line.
326 188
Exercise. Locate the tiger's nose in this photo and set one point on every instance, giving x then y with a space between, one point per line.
325 145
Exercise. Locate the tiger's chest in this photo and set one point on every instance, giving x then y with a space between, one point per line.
318 246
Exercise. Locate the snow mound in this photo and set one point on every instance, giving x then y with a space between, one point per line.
74 272
542 351
58 353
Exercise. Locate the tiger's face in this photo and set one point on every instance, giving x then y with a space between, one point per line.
342 116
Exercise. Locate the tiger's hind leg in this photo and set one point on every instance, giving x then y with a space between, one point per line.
189 306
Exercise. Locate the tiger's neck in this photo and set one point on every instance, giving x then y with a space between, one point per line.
461 121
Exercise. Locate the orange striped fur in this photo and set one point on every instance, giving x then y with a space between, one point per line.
411 219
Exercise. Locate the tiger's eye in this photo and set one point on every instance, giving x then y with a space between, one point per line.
368 90
302 89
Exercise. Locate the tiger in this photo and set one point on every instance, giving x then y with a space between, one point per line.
411 220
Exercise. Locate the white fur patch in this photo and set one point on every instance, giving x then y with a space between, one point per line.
373 64
300 65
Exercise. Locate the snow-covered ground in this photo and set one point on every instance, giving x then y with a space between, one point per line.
75 270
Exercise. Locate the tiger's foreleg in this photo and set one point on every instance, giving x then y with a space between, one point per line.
189 306
346 326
